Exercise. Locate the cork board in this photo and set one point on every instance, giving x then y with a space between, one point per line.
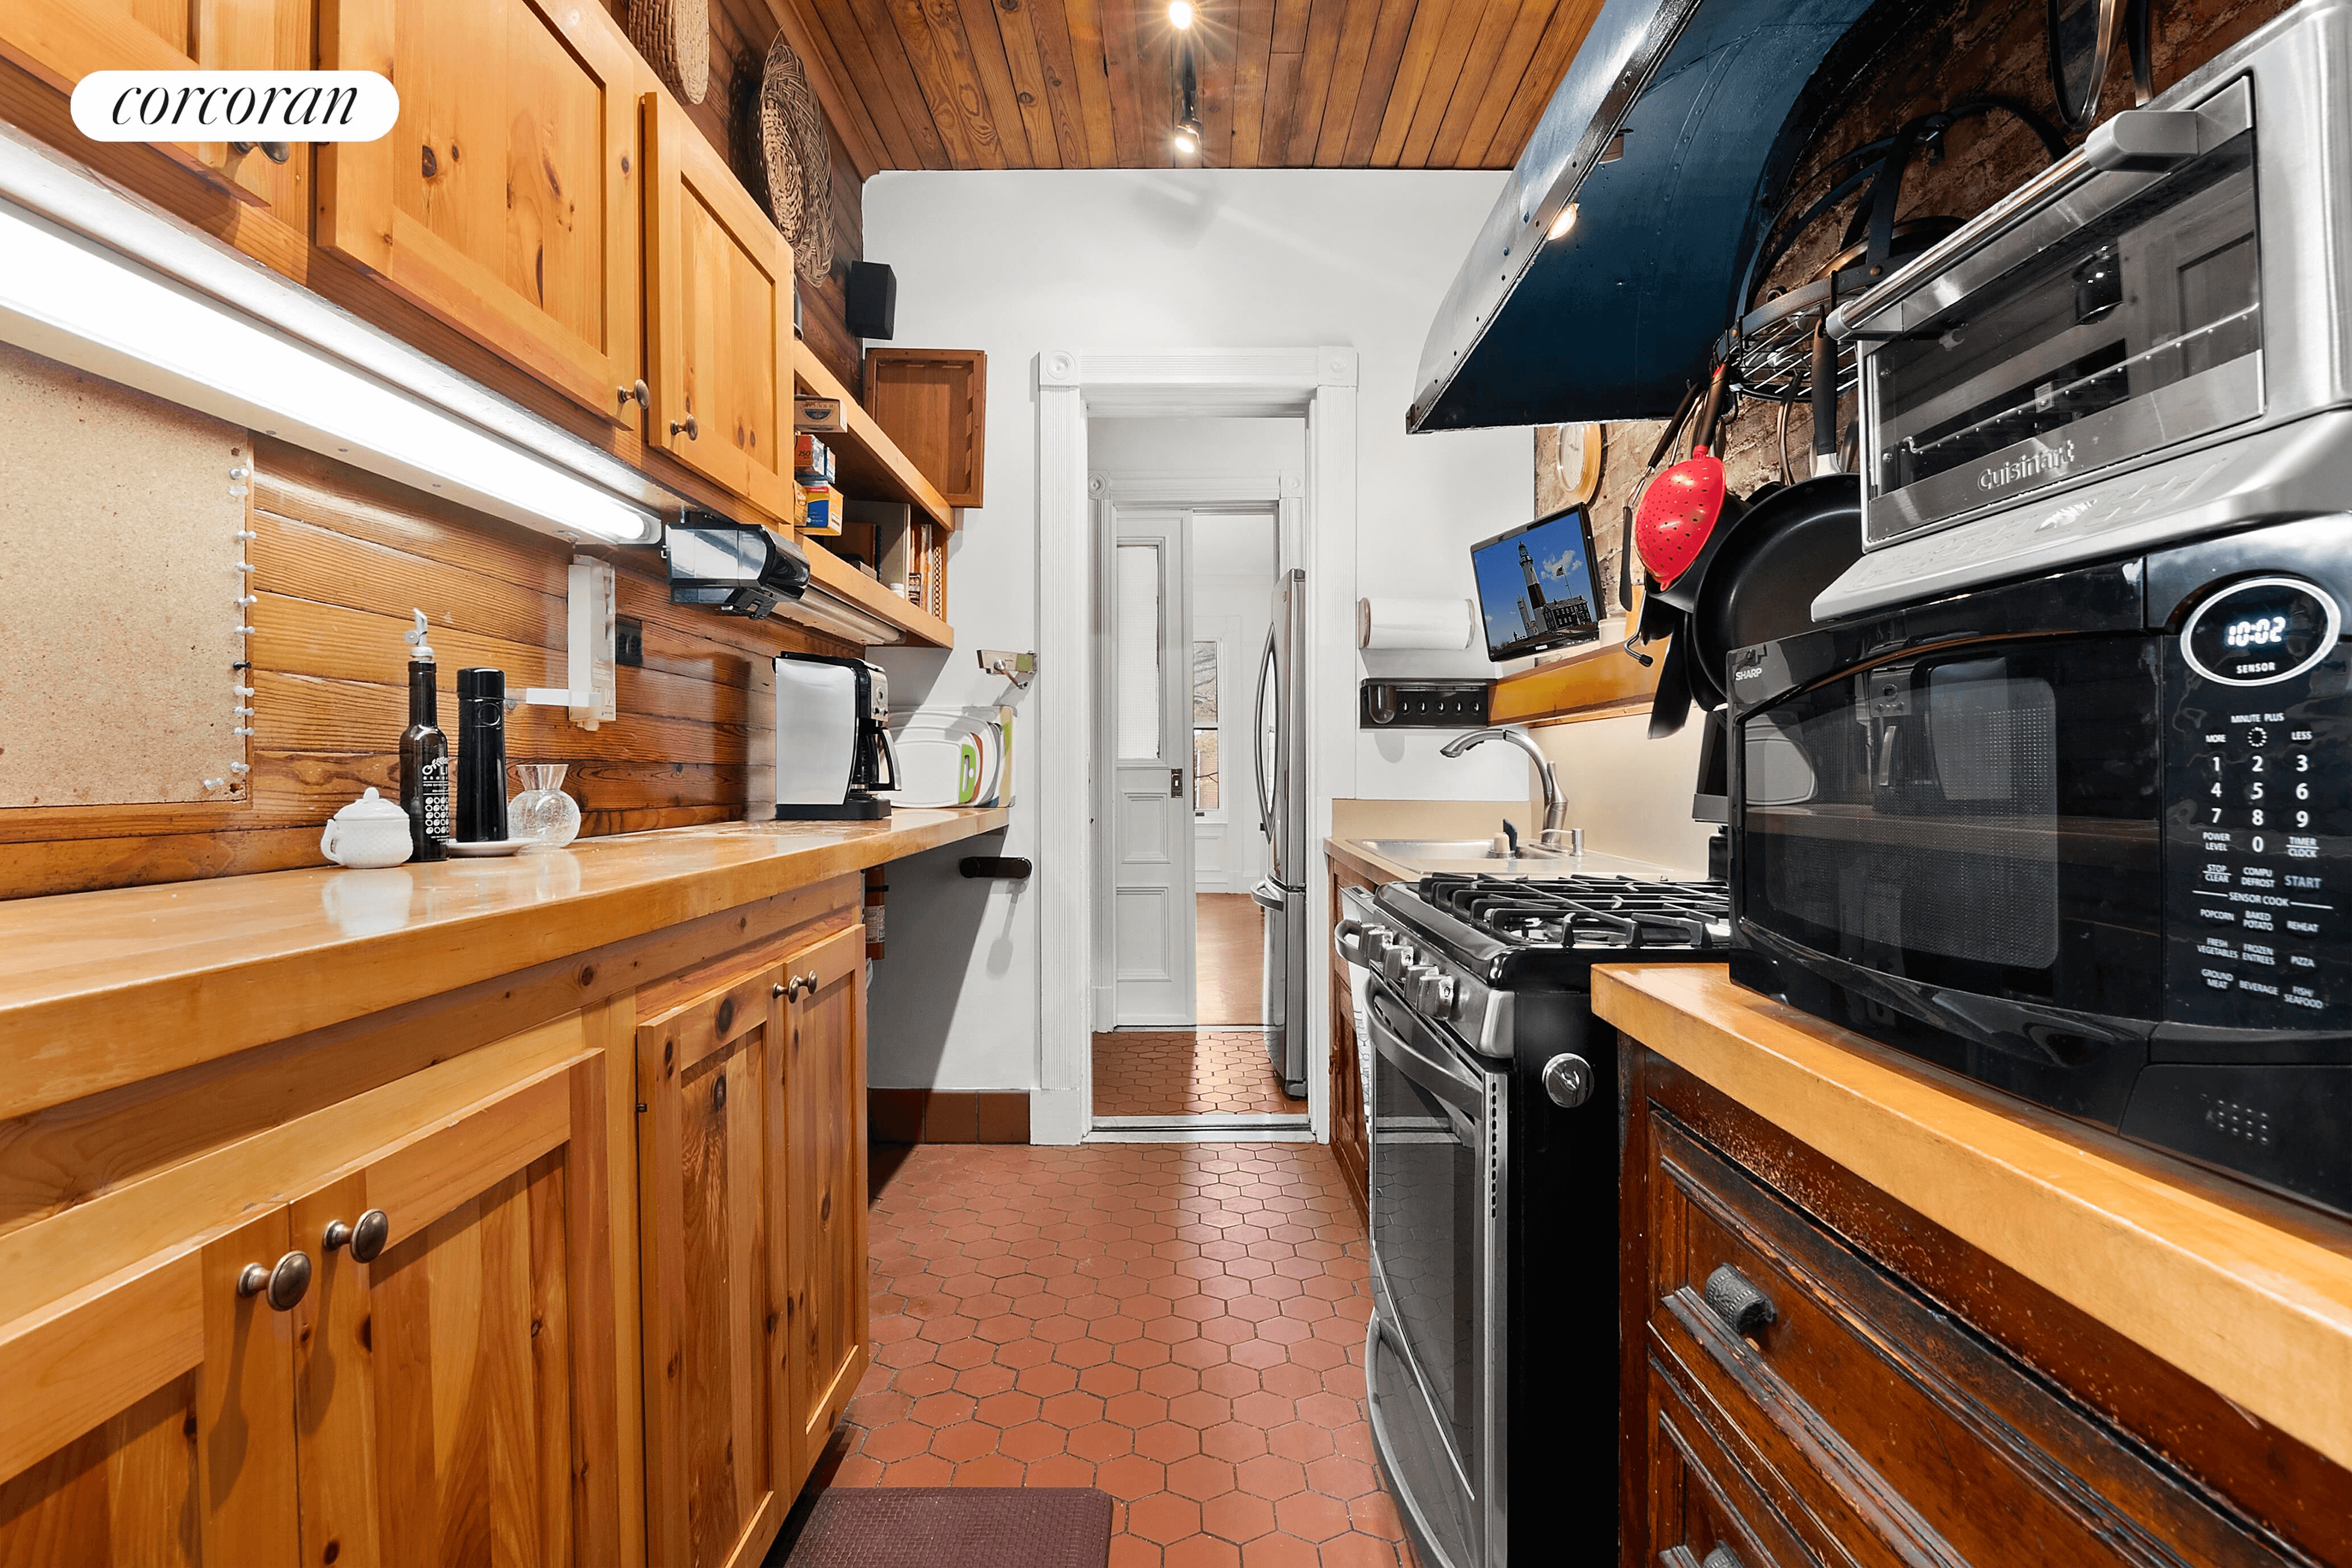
118 587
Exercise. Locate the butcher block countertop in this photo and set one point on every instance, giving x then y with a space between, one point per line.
101 988
2255 1303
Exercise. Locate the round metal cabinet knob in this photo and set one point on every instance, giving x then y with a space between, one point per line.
1568 1080
282 1287
365 1238
692 431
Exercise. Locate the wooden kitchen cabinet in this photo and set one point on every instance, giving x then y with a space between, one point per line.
713 1345
506 198
455 1376
61 41
718 317
1813 1374
146 1418
818 1147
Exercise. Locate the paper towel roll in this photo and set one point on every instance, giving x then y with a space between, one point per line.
1413 622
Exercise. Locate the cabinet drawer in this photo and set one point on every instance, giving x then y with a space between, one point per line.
1706 1506
1891 1431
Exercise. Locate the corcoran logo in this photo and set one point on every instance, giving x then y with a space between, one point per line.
235 106
2040 461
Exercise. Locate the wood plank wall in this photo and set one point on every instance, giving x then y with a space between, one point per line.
741 32
339 559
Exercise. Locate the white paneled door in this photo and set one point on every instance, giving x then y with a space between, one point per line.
1152 751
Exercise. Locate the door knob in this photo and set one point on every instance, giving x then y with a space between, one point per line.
693 432
282 1287
365 1238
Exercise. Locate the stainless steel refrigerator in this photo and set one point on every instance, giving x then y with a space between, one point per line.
1282 818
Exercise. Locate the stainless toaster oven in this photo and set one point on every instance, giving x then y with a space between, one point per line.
2148 342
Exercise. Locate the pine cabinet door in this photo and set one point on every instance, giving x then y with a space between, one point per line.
709 1329
718 310
146 1417
505 199
62 41
821 1196
455 1376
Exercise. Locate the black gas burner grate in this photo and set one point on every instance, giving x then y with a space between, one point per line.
1586 911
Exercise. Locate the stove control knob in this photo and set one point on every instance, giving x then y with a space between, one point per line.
1430 991
1395 959
1568 1080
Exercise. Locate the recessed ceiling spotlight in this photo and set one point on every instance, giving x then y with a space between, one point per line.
1180 15
1564 222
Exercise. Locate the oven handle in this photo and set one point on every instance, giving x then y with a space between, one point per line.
1462 1097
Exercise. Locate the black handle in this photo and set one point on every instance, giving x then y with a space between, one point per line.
1825 397
1004 868
1739 1302
1703 435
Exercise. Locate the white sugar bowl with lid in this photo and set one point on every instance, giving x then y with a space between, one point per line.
370 832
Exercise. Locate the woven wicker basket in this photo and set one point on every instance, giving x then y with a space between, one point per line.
675 37
800 163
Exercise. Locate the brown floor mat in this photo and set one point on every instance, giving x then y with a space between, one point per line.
949 1527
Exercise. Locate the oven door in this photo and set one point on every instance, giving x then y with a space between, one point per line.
1966 837
1437 1204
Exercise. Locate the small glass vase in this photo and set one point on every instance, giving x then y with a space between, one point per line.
542 815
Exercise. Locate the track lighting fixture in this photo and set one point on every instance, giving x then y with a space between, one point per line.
1180 15
1191 140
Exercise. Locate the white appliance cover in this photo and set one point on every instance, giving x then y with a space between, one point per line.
816 732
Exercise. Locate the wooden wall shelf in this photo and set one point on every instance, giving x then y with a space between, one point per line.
846 581
1601 683
869 464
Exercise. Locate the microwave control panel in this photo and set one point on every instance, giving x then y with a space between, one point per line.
2258 853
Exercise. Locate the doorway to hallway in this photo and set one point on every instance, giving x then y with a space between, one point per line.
1188 587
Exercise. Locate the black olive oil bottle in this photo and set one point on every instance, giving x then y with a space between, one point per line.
424 756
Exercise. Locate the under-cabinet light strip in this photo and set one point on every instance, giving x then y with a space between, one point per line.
98 280
80 303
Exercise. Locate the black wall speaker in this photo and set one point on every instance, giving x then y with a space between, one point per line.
873 299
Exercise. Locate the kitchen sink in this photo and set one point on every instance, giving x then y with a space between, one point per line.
1443 849
1421 855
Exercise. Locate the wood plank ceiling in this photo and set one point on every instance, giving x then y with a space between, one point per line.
1091 84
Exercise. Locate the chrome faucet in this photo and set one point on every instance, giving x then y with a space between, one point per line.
1556 836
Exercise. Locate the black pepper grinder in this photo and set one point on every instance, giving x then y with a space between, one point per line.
481 755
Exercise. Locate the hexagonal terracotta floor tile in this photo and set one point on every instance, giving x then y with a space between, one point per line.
1181 1325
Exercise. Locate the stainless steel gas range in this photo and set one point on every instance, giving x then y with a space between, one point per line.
1491 1362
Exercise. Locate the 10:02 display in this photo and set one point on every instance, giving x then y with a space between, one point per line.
2259 632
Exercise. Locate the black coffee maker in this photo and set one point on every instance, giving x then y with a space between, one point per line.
835 759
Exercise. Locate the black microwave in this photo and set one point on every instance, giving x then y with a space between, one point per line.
2086 838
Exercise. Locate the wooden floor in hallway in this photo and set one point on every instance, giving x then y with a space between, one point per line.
1228 957
1181 1325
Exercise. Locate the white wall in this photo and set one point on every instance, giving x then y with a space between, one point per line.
1630 794
1014 262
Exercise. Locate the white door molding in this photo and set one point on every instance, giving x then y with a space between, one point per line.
1317 518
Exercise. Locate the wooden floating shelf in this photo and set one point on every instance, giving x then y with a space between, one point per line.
845 582
1601 683
868 463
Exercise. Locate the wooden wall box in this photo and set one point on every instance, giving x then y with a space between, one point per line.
504 200
61 41
933 403
719 314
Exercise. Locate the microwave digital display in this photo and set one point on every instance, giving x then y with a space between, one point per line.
2252 634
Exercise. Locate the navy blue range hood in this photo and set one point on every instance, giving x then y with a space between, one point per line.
1614 318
